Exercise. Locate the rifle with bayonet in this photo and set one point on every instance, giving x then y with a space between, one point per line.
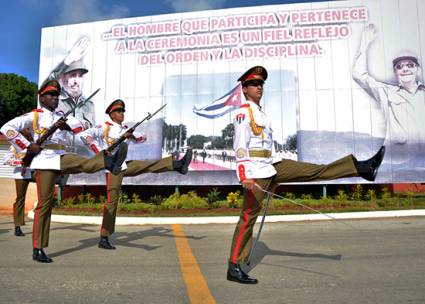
131 130
29 156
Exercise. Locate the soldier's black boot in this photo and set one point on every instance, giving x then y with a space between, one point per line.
113 162
39 256
18 231
104 243
369 168
236 274
182 165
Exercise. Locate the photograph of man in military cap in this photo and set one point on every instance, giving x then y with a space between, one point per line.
402 103
70 73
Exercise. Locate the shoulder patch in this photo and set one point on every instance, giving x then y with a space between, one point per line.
240 117
245 105
11 134
37 110
108 123
240 153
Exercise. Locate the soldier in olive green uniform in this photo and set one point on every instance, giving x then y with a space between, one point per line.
14 159
258 168
104 135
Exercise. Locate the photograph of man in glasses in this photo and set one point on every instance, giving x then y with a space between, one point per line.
402 103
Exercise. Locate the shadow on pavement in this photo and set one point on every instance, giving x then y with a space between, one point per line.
4 231
262 250
124 239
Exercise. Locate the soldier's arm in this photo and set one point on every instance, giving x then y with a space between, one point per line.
138 137
241 143
360 71
91 137
12 130
74 125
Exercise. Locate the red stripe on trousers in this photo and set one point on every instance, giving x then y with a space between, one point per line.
14 205
108 200
39 204
241 232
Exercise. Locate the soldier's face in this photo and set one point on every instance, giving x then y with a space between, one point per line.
406 71
50 100
117 116
253 91
73 83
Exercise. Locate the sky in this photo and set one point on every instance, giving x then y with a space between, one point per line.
21 22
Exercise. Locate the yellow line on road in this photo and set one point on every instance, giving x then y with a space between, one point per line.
196 285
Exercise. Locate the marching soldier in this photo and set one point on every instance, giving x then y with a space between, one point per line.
51 159
258 168
105 135
14 159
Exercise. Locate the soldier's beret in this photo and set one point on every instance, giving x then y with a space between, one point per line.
115 105
254 73
49 86
76 66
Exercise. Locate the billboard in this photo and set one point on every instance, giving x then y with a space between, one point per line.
332 88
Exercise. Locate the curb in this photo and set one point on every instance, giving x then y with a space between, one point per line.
97 220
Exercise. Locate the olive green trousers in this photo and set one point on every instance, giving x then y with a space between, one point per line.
113 187
21 186
287 171
69 163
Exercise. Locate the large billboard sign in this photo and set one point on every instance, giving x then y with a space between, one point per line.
344 77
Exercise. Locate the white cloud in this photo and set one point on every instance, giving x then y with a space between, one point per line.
194 5
77 11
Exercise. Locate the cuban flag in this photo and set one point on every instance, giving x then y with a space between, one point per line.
229 102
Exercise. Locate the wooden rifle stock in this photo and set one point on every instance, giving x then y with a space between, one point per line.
131 130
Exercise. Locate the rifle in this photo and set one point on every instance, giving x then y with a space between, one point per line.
26 161
131 130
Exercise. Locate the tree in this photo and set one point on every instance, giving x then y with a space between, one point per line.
291 143
217 142
18 95
227 134
182 130
175 136
197 141
277 146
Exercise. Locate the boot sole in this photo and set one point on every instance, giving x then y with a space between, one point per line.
42 261
233 279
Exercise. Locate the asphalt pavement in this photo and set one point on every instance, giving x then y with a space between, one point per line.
367 261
